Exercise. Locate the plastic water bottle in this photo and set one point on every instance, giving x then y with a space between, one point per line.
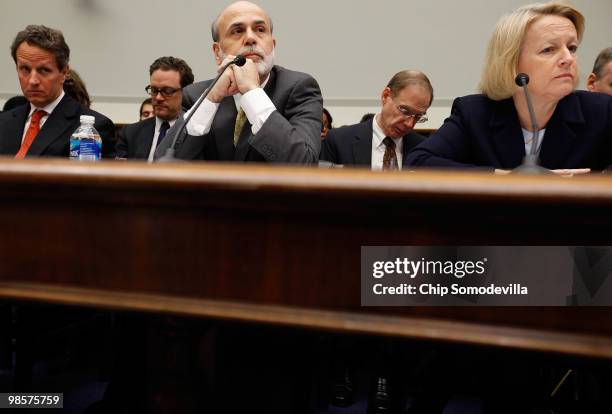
85 142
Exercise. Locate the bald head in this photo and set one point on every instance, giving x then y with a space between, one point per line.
244 28
236 8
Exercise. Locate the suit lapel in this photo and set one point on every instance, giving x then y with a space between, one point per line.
506 135
13 132
362 144
223 125
559 138
406 147
269 89
144 139
242 149
410 141
56 126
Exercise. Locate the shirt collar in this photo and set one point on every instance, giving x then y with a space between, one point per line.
50 107
379 135
159 122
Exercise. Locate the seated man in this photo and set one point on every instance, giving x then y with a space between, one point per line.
43 126
146 109
383 142
600 80
168 77
327 121
14 102
258 111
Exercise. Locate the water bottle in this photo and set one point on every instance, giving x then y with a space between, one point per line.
85 142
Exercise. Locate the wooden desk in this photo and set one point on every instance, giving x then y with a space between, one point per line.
282 245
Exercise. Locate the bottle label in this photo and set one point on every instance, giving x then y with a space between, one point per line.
75 142
90 149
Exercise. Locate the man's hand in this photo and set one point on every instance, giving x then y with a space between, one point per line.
502 172
226 85
247 77
563 173
572 172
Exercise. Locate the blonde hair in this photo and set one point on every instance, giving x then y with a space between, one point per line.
497 81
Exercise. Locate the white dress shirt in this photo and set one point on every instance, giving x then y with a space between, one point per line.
48 109
158 123
378 148
528 137
256 104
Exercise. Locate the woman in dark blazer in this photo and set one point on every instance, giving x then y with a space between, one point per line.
494 131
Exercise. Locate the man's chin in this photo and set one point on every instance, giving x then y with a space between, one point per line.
263 69
33 97
166 116
38 102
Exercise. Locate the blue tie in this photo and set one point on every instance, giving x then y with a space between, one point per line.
162 131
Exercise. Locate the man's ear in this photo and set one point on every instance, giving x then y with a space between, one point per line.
216 47
65 72
385 94
591 82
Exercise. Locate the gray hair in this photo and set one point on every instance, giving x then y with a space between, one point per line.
214 28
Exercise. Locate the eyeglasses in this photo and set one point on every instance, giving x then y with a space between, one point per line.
165 92
418 118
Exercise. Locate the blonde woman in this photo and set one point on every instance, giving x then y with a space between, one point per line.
493 130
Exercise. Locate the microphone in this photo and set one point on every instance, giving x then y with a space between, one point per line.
530 164
182 122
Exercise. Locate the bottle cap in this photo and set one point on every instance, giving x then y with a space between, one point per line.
88 119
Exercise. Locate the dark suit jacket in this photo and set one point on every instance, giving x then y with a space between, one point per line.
134 140
352 145
54 137
484 133
290 135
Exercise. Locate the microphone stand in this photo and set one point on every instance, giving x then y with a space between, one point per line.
530 164
183 121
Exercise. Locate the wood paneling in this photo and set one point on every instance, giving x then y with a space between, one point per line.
282 245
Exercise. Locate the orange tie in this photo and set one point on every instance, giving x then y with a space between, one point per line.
31 134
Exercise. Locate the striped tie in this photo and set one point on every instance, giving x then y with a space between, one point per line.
390 157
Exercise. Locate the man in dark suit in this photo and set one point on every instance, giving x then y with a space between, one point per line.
383 142
256 112
168 77
44 125
600 80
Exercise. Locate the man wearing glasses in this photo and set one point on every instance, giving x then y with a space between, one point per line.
382 143
257 112
168 77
